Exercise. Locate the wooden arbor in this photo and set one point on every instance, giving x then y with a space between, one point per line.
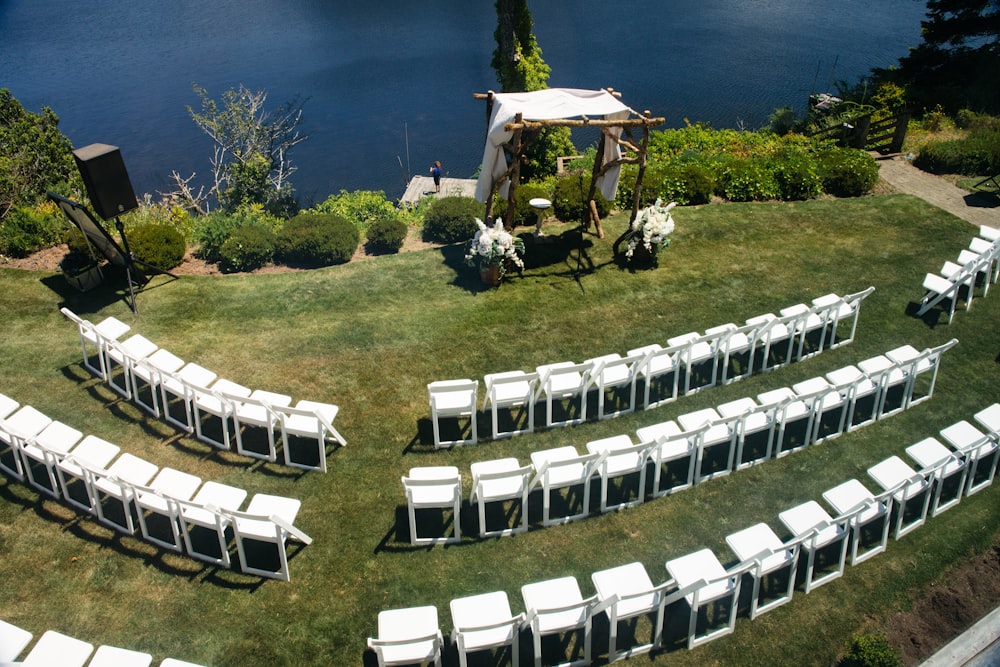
631 151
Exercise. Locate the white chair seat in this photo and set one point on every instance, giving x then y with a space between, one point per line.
55 648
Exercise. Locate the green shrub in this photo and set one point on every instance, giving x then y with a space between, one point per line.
747 179
157 244
27 229
977 154
452 219
569 198
976 122
871 650
212 230
386 235
361 207
313 240
797 175
247 248
847 172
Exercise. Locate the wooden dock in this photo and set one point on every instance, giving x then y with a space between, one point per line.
422 186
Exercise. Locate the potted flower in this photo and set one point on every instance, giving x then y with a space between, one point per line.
494 250
649 231
81 270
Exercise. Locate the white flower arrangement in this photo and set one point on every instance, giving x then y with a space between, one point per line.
652 226
494 246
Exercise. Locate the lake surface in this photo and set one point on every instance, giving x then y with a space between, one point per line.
389 85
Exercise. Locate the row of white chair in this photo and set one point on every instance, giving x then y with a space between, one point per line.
172 509
688 364
55 648
190 396
980 260
814 553
696 447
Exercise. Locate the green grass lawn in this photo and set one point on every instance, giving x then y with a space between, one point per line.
370 335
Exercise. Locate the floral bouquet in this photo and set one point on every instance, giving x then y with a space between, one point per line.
651 227
494 246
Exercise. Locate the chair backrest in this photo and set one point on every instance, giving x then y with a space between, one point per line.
442 393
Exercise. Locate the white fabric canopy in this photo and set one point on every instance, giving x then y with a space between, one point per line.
550 104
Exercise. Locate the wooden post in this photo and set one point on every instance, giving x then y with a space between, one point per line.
860 135
590 206
515 174
902 123
637 190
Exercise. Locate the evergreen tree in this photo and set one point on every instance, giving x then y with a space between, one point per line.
520 68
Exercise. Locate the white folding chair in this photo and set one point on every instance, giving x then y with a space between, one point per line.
255 414
93 453
562 468
836 309
945 469
159 515
626 592
807 330
793 420
509 391
658 362
124 355
12 641
980 450
674 448
148 374
554 607
55 648
822 534
708 582
261 532
733 348
563 383
911 493
177 392
217 402
173 662
434 487
407 637
499 481
769 558
922 368
869 515
15 430
716 433
861 392
96 336
43 451
618 456
204 524
693 356
485 622
829 405
611 374
112 656
893 383
773 339
306 428
456 399
938 288
113 490
754 430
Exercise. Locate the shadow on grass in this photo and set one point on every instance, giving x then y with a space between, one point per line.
932 318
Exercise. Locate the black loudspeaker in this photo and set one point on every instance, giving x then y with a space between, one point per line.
106 179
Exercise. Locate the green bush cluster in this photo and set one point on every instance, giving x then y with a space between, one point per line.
386 235
871 650
975 155
797 175
451 219
313 240
747 179
570 195
847 172
27 229
213 230
247 248
684 183
157 244
361 207
524 214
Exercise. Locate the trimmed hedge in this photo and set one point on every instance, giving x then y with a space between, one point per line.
570 195
847 172
452 219
312 240
247 248
386 235
976 155
157 244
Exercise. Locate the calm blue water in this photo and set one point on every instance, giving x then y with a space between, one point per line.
385 77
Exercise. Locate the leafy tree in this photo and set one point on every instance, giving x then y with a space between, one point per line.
250 163
520 68
34 154
957 63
